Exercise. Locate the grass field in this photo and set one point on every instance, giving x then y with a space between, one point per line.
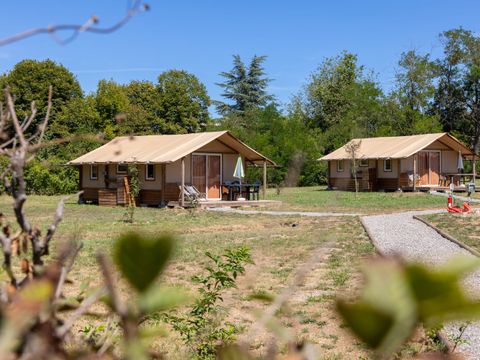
465 228
320 199
279 245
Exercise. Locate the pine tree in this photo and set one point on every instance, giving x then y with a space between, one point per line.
244 86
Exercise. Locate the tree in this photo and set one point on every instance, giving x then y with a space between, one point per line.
246 87
183 102
29 81
414 94
352 148
457 99
342 102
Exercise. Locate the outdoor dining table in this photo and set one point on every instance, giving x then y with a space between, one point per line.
462 178
231 187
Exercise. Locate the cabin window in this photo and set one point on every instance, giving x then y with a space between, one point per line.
122 168
149 172
364 162
339 165
387 165
93 172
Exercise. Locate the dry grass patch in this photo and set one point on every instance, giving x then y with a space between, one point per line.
279 246
463 227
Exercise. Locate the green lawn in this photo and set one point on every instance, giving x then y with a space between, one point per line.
319 199
465 228
279 245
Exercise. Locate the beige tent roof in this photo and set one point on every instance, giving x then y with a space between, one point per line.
397 147
163 149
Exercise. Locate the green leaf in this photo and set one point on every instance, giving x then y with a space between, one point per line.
369 323
141 258
439 293
386 294
161 299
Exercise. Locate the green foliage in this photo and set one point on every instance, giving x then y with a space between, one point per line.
283 138
201 328
245 86
397 298
29 80
141 258
183 101
49 178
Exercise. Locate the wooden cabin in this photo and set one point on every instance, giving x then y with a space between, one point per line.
416 162
165 164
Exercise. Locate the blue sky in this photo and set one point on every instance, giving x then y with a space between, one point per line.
201 36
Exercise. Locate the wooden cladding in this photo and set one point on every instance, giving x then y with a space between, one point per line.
107 197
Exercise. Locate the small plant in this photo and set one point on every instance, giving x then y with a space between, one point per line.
134 192
458 339
201 328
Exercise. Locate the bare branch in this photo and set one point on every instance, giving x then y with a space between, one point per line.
43 126
82 309
13 114
77 29
106 268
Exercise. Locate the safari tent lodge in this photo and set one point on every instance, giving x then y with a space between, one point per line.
166 165
417 162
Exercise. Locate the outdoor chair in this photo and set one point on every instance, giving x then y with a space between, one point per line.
195 193
226 190
190 194
235 190
255 190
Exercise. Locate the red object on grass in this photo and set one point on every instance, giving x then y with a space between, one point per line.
458 209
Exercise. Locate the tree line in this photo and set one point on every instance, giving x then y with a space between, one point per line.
340 100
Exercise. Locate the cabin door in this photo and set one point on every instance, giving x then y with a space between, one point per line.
207 174
429 167
434 160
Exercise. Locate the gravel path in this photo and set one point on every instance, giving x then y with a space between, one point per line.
278 213
411 239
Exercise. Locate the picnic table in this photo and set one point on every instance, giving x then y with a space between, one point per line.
462 178
237 188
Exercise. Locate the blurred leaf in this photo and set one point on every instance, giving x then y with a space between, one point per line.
161 298
233 352
153 332
67 304
439 293
141 258
366 321
261 295
279 330
135 350
388 301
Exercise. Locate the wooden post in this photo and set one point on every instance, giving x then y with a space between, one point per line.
399 163
329 186
264 188
163 182
182 190
414 172
80 174
474 169
106 176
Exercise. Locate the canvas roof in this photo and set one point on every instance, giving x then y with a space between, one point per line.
164 149
398 147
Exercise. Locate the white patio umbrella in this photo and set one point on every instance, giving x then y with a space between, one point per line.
239 173
460 162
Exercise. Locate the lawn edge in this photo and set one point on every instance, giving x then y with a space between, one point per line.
367 230
448 237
